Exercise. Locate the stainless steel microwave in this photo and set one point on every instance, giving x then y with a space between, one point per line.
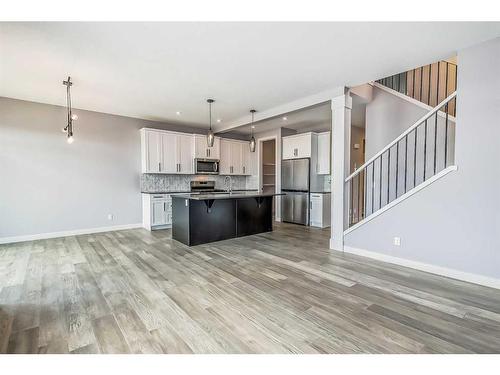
206 166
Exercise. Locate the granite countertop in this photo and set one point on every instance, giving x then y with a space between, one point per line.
189 192
234 195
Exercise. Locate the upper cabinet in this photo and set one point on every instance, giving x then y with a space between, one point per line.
297 146
236 158
202 151
324 156
166 152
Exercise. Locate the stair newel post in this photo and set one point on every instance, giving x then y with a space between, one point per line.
341 139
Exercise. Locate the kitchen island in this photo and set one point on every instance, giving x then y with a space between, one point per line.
203 218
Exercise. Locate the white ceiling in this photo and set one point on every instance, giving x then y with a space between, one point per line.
152 70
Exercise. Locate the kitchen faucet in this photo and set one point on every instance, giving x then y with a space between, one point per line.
230 184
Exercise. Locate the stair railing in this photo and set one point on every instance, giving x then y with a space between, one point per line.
428 84
420 152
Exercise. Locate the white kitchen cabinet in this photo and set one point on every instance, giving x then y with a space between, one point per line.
184 153
167 152
202 151
151 151
297 146
156 211
249 160
324 156
235 158
319 210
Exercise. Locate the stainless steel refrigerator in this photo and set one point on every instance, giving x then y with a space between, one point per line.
295 183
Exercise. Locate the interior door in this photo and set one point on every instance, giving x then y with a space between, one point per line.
168 153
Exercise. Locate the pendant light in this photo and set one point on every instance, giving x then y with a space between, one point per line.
210 134
252 139
71 117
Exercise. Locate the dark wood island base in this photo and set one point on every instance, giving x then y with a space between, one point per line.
207 218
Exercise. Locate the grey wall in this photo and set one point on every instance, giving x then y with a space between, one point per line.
47 185
454 222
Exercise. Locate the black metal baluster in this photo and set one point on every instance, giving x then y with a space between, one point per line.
421 82
397 165
380 185
413 85
415 159
435 140
359 189
446 139
373 182
388 173
406 158
429 88
352 207
425 148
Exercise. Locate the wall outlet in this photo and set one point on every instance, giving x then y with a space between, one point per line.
396 241
110 217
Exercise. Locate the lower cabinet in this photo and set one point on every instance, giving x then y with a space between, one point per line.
156 211
320 212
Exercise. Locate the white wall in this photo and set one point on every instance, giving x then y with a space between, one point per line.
47 185
454 223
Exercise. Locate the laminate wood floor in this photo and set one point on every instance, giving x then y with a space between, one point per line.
135 291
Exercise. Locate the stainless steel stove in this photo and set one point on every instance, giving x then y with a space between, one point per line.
204 187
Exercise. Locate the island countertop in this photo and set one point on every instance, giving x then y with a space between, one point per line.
233 195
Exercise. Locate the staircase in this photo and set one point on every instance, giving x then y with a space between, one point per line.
419 156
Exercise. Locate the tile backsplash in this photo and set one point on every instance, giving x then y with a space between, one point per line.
151 182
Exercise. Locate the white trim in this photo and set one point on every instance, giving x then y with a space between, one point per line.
42 236
295 105
407 195
402 135
437 270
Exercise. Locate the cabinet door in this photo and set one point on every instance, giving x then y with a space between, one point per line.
246 156
225 157
236 158
303 146
158 213
214 151
185 154
169 153
323 153
153 151
316 213
200 146
288 148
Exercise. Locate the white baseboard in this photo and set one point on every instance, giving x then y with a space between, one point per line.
42 236
437 270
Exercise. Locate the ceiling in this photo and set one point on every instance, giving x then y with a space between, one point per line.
153 70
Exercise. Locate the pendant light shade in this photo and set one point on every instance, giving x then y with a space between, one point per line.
71 116
210 134
252 139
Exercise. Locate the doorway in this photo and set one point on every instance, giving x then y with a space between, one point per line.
268 169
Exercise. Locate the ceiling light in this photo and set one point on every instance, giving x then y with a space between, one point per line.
219 120
178 113
252 139
71 116
285 118
210 134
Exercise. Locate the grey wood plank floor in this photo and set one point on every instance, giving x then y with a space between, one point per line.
135 291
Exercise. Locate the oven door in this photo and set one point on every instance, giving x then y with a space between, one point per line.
206 166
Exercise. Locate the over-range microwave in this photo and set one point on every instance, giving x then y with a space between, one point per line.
206 166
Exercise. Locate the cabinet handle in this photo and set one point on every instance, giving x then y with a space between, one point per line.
164 206
159 167
243 170
209 152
